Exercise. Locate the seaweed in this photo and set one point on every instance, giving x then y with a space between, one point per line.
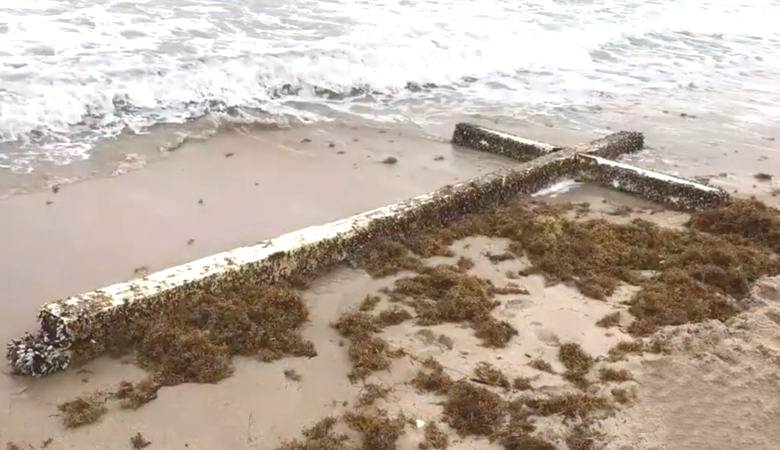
369 303
540 364
570 405
576 361
496 258
292 375
522 384
319 436
618 375
676 298
82 411
445 294
387 257
356 324
622 396
464 263
181 356
622 210
435 439
510 288
488 374
371 393
493 332
195 344
368 353
393 316
610 320
432 378
445 341
621 349
761 176
749 219
379 431
522 441
473 410
582 437
139 441
427 245
134 396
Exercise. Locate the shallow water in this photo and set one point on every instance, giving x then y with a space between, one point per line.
80 77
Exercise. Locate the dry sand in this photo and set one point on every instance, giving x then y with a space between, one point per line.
717 388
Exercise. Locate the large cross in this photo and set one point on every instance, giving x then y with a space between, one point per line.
76 328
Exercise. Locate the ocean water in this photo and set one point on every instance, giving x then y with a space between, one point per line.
77 74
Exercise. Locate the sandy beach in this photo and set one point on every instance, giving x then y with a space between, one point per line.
257 186
244 225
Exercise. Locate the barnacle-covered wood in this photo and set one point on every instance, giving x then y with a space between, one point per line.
79 327
493 141
673 191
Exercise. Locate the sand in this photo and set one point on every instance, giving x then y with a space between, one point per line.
717 388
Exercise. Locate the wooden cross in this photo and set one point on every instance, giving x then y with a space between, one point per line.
76 328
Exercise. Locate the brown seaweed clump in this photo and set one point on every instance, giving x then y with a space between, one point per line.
393 316
135 395
435 439
749 219
371 393
426 245
596 255
622 396
582 437
522 441
82 411
464 263
576 361
139 441
446 294
488 374
570 406
675 298
432 378
542 365
367 352
621 349
292 375
474 410
196 344
369 303
522 384
181 356
723 252
493 332
379 431
610 320
320 436
387 257
618 375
